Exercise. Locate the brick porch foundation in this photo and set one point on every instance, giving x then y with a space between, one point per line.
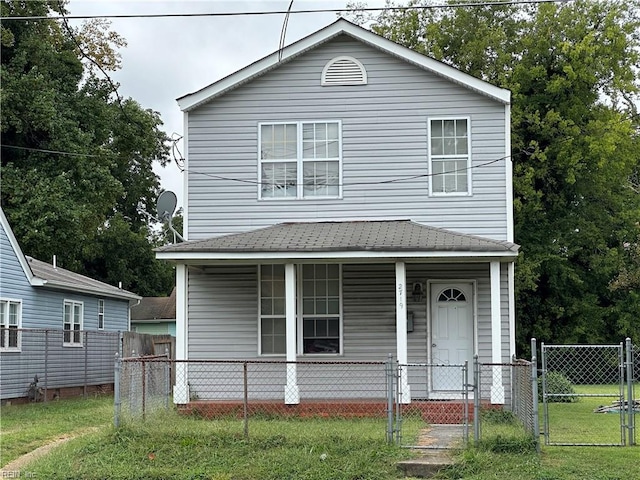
431 411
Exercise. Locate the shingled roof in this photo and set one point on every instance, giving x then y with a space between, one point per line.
352 236
155 308
59 278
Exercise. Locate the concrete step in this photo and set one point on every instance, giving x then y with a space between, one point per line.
427 465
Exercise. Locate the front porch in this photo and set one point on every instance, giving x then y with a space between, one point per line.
332 292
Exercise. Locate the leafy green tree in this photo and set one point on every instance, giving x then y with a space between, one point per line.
76 158
573 72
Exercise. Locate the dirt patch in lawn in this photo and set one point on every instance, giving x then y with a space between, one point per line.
19 463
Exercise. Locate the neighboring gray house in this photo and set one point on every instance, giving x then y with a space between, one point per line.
54 323
155 315
346 198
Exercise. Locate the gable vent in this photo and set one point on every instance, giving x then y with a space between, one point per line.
344 71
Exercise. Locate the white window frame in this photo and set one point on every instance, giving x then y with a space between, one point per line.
300 161
6 327
73 304
101 304
299 316
443 157
267 317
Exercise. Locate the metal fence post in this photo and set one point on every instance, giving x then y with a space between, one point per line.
623 411
245 400
630 399
390 397
144 388
167 379
476 400
46 363
545 406
86 363
465 396
534 394
116 391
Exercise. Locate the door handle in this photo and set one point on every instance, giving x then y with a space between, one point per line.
433 345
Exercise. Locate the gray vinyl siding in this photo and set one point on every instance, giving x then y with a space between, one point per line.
384 133
57 366
13 282
223 312
43 308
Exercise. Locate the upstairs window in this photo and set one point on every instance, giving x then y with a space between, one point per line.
300 160
449 156
10 324
72 324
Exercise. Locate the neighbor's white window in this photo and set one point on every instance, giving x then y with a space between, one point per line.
300 160
449 156
318 298
10 324
73 312
100 314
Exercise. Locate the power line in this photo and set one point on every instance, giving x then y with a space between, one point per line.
349 184
43 150
256 182
284 12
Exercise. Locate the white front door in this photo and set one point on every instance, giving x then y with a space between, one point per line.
451 334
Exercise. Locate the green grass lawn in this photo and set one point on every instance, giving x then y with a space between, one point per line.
577 423
172 446
24 428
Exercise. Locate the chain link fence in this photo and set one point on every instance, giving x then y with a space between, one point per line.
142 385
393 393
435 394
593 385
243 389
39 364
491 395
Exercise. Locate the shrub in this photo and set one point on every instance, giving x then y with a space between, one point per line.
557 383
498 416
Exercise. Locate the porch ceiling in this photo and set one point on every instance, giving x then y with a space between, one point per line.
342 240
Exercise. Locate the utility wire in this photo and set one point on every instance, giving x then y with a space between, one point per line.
112 84
56 152
349 184
284 12
180 164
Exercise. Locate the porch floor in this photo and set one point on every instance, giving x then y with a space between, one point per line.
431 411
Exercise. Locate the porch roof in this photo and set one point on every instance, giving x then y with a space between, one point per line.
364 239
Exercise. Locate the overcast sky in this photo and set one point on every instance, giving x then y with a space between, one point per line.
167 58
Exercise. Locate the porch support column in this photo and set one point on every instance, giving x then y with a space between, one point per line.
401 330
497 387
291 391
181 388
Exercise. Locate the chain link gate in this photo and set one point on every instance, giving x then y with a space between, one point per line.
633 380
583 395
431 394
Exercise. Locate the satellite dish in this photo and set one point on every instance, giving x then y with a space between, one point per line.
166 205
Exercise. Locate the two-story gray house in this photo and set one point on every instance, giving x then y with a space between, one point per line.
347 198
